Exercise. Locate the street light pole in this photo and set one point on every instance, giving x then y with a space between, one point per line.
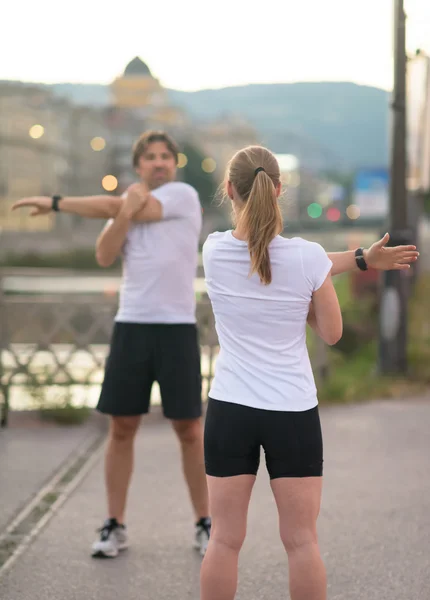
395 288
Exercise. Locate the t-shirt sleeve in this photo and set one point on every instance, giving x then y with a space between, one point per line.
177 199
317 265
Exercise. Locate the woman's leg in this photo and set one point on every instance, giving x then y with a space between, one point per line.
298 501
232 456
294 458
228 502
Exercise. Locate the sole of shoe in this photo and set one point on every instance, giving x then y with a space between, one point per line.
101 554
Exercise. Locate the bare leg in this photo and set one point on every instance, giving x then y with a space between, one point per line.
119 463
298 501
190 435
229 500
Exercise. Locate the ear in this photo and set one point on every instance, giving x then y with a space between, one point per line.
230 190
278 189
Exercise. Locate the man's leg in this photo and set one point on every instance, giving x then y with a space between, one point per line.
119 463
179 376
124 397
190 435
118 469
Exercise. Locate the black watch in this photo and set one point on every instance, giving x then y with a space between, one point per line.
55 200
359 259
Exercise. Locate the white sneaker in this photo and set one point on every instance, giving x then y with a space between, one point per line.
202 535
113 539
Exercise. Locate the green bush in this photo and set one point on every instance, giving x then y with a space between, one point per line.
78 259
354 375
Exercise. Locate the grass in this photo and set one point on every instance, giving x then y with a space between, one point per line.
65 414
56 407
354 375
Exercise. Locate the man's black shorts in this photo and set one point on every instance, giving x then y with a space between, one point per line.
143 353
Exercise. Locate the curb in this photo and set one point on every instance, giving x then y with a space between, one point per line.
30 521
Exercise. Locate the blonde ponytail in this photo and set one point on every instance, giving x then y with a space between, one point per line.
254 172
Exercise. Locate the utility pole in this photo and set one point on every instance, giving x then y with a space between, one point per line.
395 288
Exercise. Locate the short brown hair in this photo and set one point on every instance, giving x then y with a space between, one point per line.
254 172
147 138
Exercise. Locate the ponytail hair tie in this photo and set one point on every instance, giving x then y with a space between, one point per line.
258 169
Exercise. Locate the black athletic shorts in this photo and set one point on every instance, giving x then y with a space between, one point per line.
143 353
235 434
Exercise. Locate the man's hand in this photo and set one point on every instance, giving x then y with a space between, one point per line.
135 199
41 205
396 258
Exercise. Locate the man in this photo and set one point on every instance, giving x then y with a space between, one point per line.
156 228
157 231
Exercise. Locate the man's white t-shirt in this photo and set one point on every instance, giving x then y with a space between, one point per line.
263 360
160 261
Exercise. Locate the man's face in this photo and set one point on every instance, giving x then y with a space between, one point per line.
157 165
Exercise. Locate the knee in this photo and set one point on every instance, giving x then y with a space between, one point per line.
123 430
228 538
296 539
189 432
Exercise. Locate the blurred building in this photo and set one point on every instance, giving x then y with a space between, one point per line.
139 103
46 146
221 139
290 178
49 145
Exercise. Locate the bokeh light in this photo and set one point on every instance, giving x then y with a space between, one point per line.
294 179
333 214
353 212
110 183
36 131
208 165
182 160
314 210
98 144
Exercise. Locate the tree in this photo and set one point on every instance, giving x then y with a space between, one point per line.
193 174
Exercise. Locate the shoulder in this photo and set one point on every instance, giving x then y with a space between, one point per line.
308 248
212 242
178 200
214 239
176 188
295 244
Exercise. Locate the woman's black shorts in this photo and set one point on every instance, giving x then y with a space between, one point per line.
235 434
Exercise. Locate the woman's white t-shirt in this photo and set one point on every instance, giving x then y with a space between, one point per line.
263 360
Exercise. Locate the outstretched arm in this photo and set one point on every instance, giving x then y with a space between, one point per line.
378 256
93 207
96 207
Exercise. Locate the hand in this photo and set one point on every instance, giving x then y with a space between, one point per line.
390 259
135 199
41 205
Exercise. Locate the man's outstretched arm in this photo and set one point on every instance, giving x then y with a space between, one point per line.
97 207
93 207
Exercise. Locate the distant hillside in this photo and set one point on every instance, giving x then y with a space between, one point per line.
327 125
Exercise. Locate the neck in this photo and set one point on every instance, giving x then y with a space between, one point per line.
240 234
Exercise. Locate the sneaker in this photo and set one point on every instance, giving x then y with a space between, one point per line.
113 538
203 531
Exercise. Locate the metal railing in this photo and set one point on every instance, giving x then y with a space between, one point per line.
62 339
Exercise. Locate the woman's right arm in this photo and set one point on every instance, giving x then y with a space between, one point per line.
325 316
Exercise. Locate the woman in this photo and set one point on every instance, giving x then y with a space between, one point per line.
264 289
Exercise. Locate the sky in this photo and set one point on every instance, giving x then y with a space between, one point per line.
196 44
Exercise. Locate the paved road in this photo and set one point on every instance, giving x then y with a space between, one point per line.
374 526
30 453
